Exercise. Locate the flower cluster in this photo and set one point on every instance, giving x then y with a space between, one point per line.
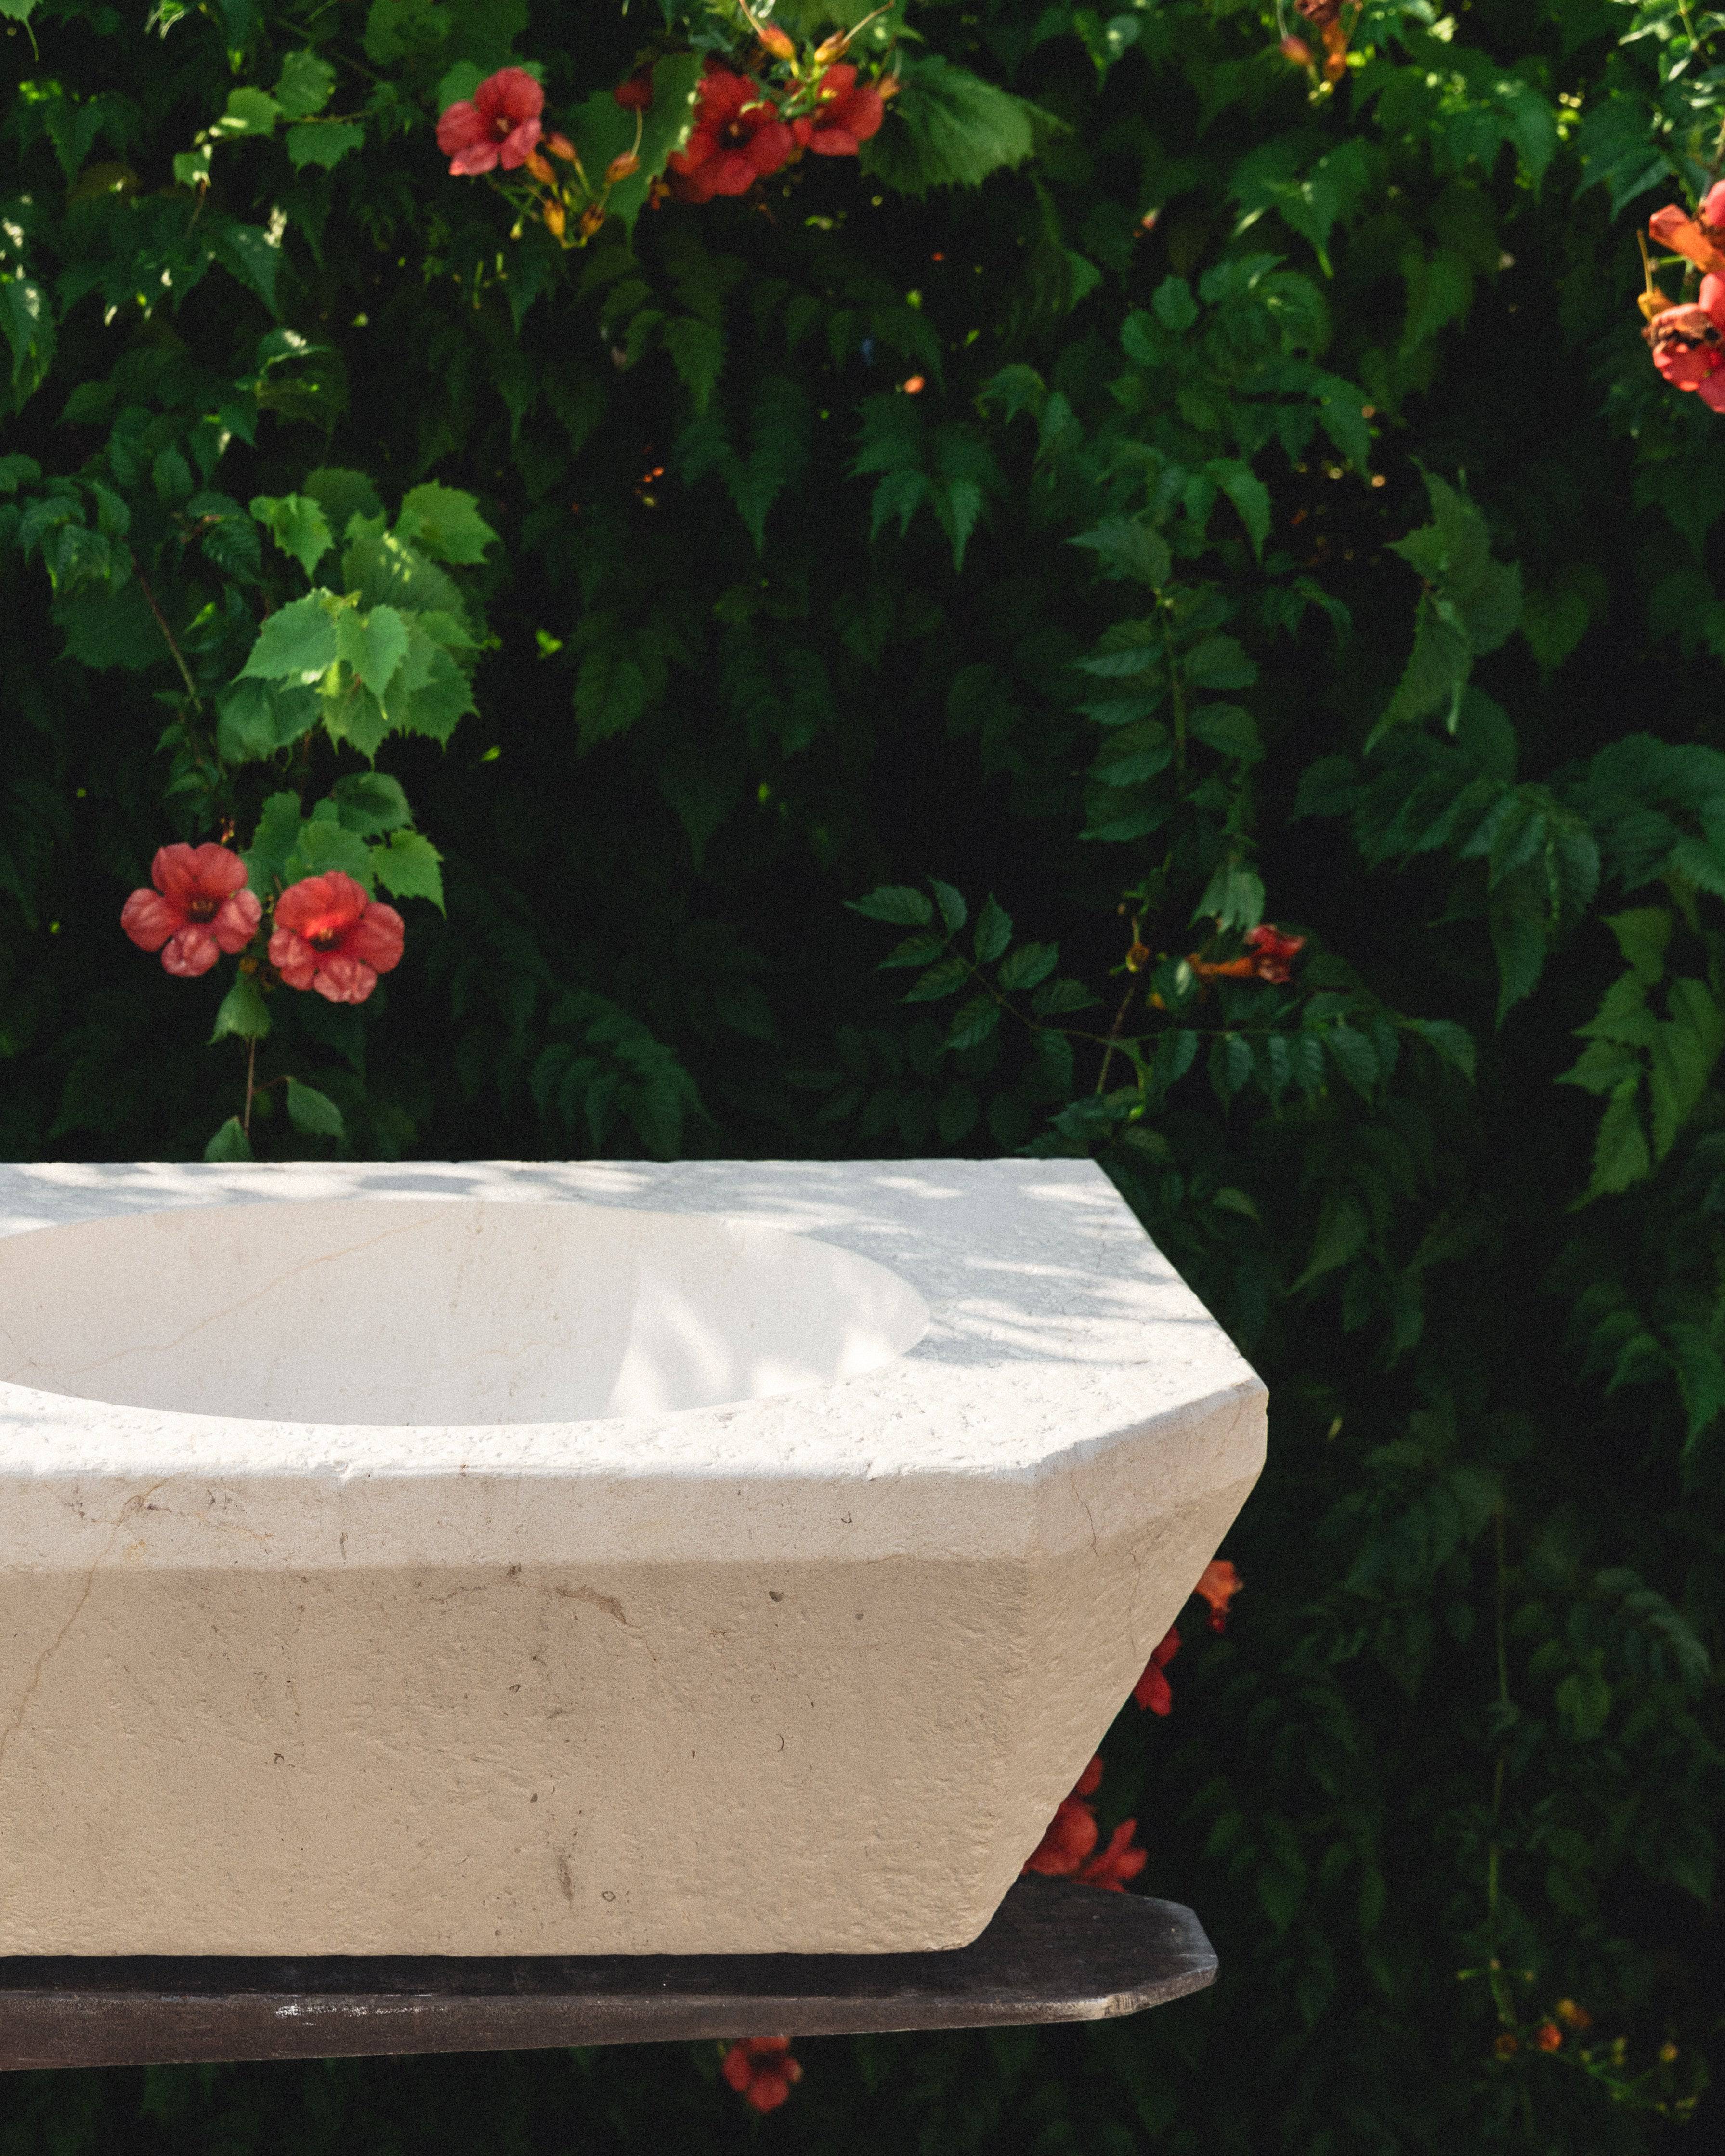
1325 17
327 934
502 127
749 123
1068 1850
761 2070
1687 337
743 132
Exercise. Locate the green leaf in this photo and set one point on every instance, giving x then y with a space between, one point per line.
1129 547
1229 729
1249 496
973 1023
950 904
248 112
372 644
1173 305
1029 967
272 843
1642 934
343 495
321 843
313 1114
297 643
897 903
920 950
944 980
297 525
602 129
697 351
445 523
230 1142
255 720
26 319
408 865
370 802
243 1011
947 127
993 932
305 86
1621 1156
1454 1043
323 142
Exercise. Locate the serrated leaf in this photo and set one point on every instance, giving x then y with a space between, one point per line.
255 720
944 980
1128 547
1028 967
242 1012
372 644
993 932
947 127
409 865
914 950
370 802
230 1142
313 1114
297 525
443 522
974 1022
323 142
296 644
305 86
322 845
1229 729
951 903
897 903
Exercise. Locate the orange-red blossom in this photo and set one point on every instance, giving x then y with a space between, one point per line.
761 2070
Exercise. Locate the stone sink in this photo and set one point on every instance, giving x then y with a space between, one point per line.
485 1559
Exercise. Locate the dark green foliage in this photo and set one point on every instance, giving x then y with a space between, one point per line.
846 671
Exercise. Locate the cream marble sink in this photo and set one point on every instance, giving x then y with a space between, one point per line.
491 1559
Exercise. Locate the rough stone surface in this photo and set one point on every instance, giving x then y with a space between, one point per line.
485 1559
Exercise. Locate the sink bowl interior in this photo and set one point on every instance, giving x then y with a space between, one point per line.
438 1312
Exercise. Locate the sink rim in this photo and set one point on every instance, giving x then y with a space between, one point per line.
913 1315
1057 1328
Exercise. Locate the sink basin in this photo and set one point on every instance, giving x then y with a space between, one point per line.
468 1559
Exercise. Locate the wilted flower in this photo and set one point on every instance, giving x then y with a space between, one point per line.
761 2070
635 93
331 937
498 126
199 908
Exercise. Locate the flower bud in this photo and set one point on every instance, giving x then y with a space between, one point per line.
540 171
1548 2037
1297 50
636 94
831 48
559 146
622 166
781 46
555 218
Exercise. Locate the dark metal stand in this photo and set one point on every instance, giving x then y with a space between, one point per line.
1053 1952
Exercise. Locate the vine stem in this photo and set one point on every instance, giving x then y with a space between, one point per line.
167 634
1500 1981
251 1073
